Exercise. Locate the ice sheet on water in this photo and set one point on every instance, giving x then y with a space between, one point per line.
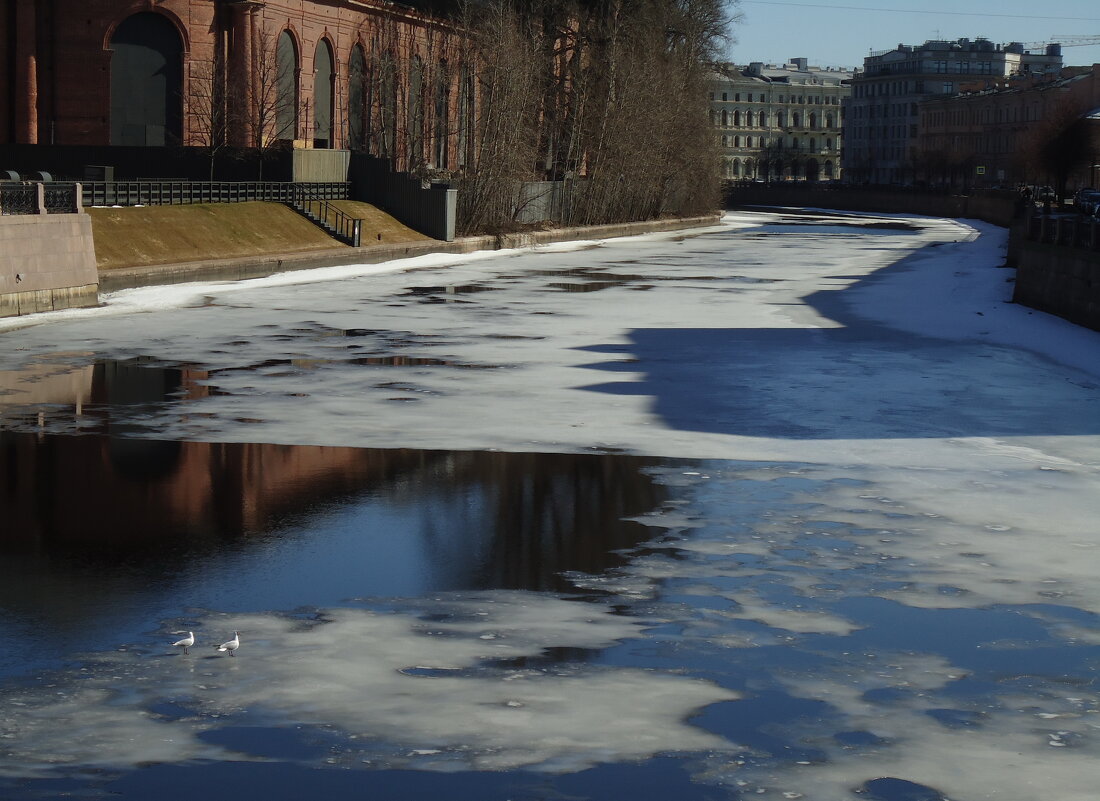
350 669
903 580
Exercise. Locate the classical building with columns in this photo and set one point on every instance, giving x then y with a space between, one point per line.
778 122
379 76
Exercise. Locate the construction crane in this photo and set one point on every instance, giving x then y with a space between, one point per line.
1064 41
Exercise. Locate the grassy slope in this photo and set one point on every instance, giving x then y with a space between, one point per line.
136 237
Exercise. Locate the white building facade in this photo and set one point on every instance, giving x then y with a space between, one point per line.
779 123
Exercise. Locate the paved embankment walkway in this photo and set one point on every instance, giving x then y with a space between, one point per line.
257 267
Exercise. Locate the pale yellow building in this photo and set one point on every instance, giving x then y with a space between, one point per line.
779 122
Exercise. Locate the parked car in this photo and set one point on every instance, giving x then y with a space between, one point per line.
1086 201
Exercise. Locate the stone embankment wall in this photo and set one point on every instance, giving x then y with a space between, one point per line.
1058 267
996 207
1057 260
47 262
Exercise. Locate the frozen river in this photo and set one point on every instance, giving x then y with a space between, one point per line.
797 506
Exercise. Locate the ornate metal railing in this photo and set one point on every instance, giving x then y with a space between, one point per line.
18 198
60 198
36 197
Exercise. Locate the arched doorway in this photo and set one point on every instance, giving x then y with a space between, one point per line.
323 91
146 82
812 170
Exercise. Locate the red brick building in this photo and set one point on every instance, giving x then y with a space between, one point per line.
379 76
981 136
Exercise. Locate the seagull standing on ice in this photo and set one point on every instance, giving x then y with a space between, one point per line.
186 642
232 645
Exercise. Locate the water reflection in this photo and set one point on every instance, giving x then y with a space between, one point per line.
110 395
105 531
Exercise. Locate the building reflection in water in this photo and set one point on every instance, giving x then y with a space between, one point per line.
525 517
468 520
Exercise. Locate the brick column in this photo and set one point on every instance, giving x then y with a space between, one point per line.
26 73
240 74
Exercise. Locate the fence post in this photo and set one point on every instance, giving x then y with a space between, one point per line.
78 198
40 197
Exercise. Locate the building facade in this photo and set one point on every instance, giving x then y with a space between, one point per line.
883 113
778 122
368 74
987 134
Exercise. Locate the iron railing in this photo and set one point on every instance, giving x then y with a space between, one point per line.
1076 231
310 199
60 198
18 198
318 210
166 193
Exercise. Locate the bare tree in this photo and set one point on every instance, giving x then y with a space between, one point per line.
267 110
1059 144
608 94
208 124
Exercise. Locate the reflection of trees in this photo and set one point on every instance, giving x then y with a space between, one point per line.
501 520
486 519
557 512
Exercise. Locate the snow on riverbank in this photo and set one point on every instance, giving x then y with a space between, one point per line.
888 524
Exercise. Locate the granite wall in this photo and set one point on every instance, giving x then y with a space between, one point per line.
47 262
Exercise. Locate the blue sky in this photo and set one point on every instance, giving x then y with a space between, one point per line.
841 33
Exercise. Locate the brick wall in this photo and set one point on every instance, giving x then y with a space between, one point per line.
67 96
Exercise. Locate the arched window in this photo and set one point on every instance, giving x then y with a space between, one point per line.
357 98
737 141
750 119
441 116
286 87
828 144
146 82
829 170
726 118
796 120
781 119
813 120
828 120
737 168
324 89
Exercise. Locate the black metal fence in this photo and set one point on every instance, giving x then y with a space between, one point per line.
18 199
169 193
60 198
1075 231
342 226
26 197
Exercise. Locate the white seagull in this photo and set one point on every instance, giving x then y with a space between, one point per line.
186 642
232 645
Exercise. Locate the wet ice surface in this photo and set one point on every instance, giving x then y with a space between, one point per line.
859 552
